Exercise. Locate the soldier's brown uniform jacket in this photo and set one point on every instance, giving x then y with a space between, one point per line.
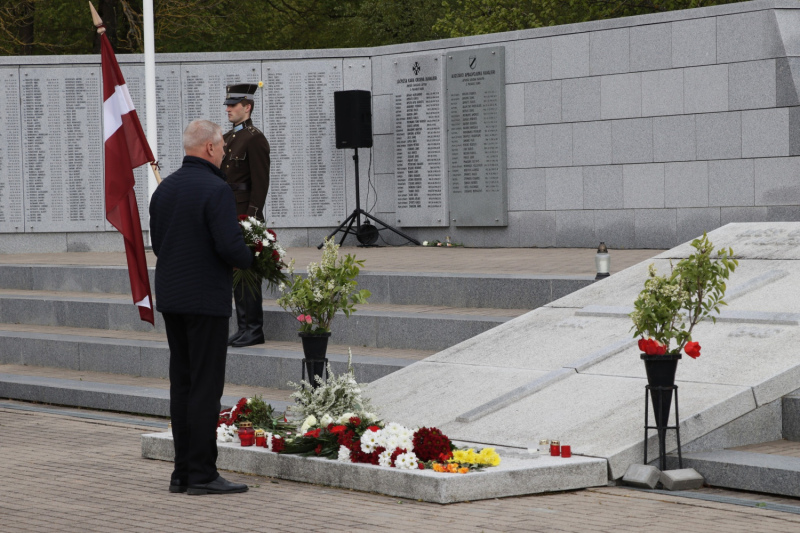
246 165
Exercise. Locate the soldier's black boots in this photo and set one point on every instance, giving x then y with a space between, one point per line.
249 317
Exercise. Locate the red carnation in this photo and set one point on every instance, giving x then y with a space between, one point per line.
313 433
692 349
421 466
242 217
355 421
275 255
259 246
318 449
373 428
338 429
272 233
396 453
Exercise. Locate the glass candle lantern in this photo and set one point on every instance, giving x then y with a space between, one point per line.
555 448
261 438
247 434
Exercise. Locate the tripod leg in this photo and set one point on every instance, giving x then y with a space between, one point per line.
387 226
349 220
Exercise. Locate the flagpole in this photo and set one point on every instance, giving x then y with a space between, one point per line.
151 114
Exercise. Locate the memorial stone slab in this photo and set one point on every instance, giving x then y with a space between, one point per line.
204 87
63 143
420 139
11 180
307 185
476 137
170 123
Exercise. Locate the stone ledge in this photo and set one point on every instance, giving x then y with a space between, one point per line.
514 477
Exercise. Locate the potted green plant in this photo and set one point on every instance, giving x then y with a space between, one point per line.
668 309
314 300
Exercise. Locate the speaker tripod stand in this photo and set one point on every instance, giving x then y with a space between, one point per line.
366 233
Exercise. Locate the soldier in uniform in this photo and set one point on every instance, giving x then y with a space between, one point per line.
246 165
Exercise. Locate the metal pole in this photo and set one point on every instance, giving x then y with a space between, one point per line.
150 90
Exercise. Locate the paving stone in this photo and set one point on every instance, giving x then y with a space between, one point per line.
643 476
682 479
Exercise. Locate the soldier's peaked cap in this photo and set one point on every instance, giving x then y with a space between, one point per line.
237 93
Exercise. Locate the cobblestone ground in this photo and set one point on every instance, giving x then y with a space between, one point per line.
61 473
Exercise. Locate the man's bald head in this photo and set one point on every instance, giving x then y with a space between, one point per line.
203 139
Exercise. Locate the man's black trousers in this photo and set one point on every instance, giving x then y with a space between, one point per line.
197 351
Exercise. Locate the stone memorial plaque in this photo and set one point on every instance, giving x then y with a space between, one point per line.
11 205
134 79
307 187
419 136
62 139
170 122
476 126
204 91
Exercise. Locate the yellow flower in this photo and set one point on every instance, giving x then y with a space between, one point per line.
488 456
260 84
463 470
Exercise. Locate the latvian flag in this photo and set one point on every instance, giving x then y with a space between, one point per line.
126 148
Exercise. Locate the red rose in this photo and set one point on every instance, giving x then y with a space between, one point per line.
421 466
259 246
242 217
355 421
652 347
692 349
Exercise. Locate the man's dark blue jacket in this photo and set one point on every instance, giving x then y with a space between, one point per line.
197 240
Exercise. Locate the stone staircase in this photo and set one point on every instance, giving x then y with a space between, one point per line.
69 335
771 467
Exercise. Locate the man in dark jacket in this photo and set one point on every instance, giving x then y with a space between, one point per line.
197 241
246 167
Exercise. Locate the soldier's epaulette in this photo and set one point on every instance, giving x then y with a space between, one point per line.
253 130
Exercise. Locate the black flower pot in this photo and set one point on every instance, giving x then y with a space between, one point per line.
315 346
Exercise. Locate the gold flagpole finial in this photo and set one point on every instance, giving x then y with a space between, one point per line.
98 22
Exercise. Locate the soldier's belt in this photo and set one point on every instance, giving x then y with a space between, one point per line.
239 186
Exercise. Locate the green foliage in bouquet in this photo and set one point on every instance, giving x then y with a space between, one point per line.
263 416
693 290
330 286
334 395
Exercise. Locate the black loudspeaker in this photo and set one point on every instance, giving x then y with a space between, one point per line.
353 111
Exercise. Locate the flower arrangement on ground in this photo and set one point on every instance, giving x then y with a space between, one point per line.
254 410
328 287
268 256
447 243
669 307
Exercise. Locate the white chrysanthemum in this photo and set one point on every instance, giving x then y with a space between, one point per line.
407 461
369 441
225 433
268 435
344 454
424 243
247 225
385 458
311 420
270 237
325 420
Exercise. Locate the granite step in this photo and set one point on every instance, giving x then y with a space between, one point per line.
791 416
470 290
109 392
272 364
420 327
745 470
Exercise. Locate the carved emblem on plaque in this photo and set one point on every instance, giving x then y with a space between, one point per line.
416 68
472 62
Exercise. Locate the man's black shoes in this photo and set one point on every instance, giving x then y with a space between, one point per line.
249 338
233 338
176 486
218 486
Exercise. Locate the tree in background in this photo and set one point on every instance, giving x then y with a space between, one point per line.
30 27
476 17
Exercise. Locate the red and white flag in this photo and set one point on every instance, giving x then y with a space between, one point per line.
126 148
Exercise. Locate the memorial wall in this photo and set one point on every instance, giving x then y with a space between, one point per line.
642 132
